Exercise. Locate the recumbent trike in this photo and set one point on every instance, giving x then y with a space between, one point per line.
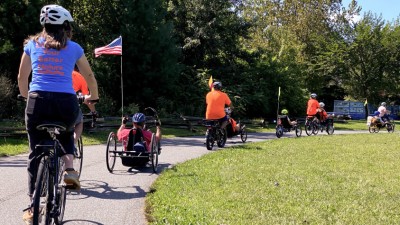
134 152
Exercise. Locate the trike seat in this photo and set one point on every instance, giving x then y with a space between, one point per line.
136 143
285 121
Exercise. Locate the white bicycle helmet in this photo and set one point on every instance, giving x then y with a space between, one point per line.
54 14
321 104
313 95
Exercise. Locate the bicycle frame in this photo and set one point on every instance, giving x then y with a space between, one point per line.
214 134
50 195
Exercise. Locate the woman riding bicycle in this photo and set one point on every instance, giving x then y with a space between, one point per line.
51 55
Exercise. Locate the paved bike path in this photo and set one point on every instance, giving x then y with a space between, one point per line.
106 198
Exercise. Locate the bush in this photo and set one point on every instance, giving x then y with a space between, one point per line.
8 105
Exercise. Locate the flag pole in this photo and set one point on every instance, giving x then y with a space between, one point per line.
122 90
277 111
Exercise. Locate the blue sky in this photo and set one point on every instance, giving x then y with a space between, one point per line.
390 9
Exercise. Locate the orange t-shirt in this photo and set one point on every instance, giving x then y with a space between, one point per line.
79 83
216 101
312 107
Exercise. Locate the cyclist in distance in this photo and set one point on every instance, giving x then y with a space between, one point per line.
51 55
384 117
322 113
312 106
216 101
80 86
138 121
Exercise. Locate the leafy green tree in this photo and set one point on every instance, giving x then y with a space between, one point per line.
366 61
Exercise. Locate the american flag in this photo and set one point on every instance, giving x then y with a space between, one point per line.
114 48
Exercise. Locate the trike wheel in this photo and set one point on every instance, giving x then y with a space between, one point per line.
209 139
154 153
330 129
222 138
111 151
371 129
243 134
298 130
78 157
279 131
390 128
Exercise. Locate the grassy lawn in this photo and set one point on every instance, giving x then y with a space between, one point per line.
337 179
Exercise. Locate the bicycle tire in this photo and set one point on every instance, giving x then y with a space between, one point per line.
390 128
309 128
243 134
111 151
78 157
154 153
42 195
61 196
330 129
221 140
315 127
298 130
279 131
209 139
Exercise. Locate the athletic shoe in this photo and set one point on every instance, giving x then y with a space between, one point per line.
71 179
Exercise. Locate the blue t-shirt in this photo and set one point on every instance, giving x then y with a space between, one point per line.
52 69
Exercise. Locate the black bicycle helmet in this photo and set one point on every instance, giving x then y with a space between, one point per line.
217 85
138 118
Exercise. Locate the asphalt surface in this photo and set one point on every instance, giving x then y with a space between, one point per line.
107 198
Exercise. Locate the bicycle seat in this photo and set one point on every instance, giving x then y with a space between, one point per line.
59 125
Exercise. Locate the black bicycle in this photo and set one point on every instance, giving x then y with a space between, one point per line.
312 125
214 134
78 151
49 196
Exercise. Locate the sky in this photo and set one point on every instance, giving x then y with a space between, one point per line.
390 9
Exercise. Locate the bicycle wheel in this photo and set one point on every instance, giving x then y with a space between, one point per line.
279 131
315 128
390 128
78 157
330 129
298 130
308 127
61 196
221 140
42 198
154 153
111 151
243 134
209 139
371 129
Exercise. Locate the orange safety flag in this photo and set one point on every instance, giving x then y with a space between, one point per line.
210 83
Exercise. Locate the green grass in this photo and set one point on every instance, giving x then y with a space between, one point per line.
338 179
